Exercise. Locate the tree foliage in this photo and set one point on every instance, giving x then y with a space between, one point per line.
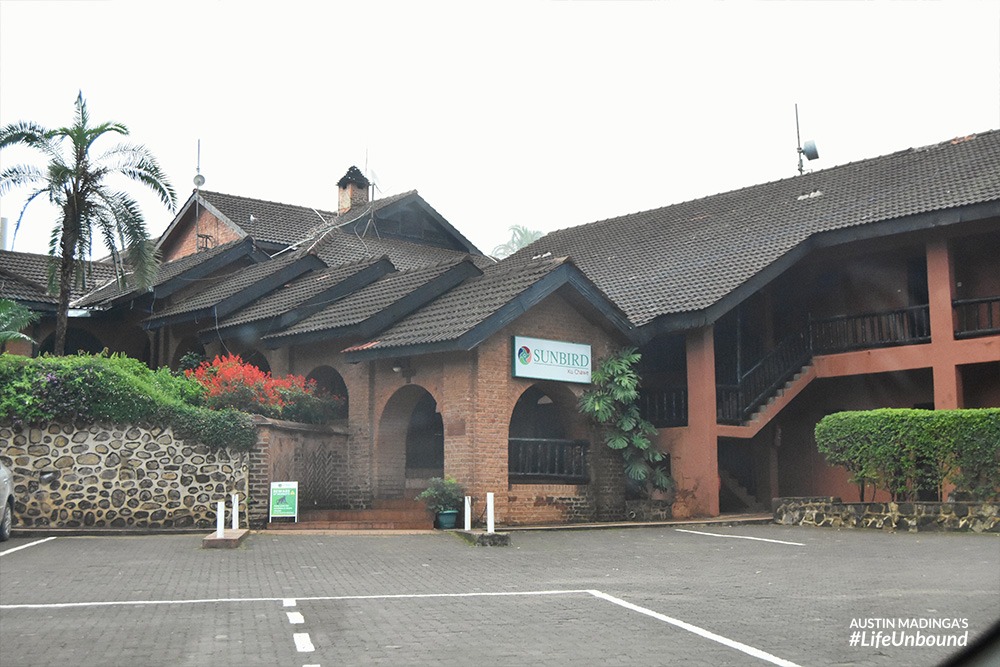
79 184
612 403
520 236
13 318
909 451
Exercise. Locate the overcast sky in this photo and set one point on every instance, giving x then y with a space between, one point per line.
543 114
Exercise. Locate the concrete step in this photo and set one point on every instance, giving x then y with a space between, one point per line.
426 524
395 514
738 490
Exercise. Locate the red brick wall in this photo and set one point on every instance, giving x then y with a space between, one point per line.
475 395
184 240
317 457
494 396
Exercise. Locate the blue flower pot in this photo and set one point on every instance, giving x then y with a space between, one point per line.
446 519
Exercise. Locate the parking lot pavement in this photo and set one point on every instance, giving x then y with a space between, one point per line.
649 596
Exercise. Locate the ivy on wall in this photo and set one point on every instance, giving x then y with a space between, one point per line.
612 403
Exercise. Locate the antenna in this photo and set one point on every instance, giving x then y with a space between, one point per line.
199 180
809 149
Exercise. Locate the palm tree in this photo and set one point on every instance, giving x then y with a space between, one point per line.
520 236
76 183
13 318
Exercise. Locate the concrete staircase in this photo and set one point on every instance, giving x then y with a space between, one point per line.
774 405
400 514
739 491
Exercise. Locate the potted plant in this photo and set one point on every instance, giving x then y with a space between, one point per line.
444 497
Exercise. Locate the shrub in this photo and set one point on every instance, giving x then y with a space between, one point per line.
443 495
113 389
909 451
230 382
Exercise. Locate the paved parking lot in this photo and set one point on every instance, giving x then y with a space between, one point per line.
641 596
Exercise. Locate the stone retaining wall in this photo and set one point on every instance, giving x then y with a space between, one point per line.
117 477
913 517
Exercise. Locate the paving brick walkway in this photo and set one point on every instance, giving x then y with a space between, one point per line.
431 599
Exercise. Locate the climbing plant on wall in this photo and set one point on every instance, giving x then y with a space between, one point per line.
612 403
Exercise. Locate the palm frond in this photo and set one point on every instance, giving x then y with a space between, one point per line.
18 175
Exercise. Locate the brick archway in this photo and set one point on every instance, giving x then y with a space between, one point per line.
547 437
410 442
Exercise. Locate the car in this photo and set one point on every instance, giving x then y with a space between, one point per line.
7 496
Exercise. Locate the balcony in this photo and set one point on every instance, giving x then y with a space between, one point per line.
737 402
977 317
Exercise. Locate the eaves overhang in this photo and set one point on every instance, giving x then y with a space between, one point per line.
242 297
565 275
310 306
387 316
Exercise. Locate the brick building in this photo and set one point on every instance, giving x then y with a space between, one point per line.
757 311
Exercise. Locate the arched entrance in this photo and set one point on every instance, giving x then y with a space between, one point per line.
546 438
189 345
330 382
410 443
77 340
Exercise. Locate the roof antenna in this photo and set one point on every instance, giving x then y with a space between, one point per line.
199 181
809 149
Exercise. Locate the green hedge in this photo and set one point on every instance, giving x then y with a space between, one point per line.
118 390
908 451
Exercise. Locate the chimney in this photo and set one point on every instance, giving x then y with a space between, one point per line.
353 189
3 233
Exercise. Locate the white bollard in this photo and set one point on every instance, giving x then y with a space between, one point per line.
468 513
489 513
220 519
236 511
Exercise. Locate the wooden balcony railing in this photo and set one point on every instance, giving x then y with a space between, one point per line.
547 459
977 317
905 326
736 402
664 408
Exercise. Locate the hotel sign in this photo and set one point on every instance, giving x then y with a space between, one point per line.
541 359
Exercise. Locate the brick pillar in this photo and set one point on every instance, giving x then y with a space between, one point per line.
694 460
941 289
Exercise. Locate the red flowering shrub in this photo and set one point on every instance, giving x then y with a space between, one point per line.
232 383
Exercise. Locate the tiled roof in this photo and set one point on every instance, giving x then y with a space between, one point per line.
237 280
688 256
25 276
342 247
286 223
366 302
110 290
464 307
293 294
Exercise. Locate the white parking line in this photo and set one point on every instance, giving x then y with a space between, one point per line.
701 632
295 618
302 642
740 537
25 546
320 598
288 602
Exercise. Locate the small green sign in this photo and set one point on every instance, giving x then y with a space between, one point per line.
285 499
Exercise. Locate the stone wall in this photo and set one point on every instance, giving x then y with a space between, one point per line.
912 517
117 477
